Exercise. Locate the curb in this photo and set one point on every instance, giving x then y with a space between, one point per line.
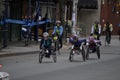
10 53
18 53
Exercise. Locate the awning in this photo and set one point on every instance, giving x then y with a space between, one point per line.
88 4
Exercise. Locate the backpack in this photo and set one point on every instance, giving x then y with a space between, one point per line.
107 27
96 29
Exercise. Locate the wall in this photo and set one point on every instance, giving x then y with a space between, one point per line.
15 13
87 17
1 7
1 14
108 15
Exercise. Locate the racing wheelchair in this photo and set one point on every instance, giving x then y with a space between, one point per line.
93 46
78 50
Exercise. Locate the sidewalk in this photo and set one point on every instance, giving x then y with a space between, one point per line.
18 48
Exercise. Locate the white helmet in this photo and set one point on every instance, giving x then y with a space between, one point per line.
58 21
45 34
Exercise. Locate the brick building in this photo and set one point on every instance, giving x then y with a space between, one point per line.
110 11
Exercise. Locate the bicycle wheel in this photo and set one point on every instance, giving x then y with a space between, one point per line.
71 56
98 52
54 56
83 53
57 47
87 53
40 56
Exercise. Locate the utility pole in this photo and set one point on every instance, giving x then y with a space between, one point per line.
74 16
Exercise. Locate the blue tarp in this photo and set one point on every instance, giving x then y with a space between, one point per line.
15 21
25 22
119 25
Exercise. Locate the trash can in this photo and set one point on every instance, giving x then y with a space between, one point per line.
4 76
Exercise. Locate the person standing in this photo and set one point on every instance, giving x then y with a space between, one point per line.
96 30
108 28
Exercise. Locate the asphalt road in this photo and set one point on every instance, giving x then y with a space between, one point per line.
27 67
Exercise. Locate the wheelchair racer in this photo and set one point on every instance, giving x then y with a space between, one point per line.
46 43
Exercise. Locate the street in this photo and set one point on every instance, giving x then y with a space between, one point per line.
30 26
27 67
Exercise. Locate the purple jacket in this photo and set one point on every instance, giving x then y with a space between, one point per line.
78 43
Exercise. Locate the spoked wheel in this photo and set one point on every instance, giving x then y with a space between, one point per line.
87 53
57 47
71 56
40 57
83 53
54 56
98 52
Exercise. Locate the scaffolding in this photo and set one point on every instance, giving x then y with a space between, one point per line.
28 21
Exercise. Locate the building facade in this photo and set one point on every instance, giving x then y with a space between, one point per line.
110 11
20 9
26 9
88 13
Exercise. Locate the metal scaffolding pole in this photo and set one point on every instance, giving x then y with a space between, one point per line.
62 16
4 27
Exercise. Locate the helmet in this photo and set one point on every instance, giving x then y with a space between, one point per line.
45 34
75 37
58 21
24 29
